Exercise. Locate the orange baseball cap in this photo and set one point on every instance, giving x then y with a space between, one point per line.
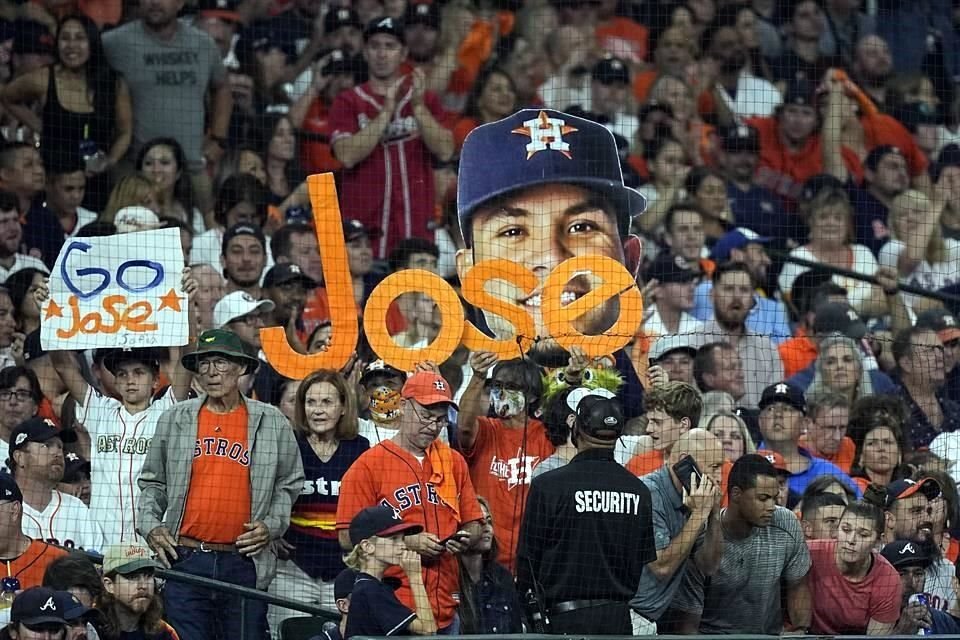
775 459
427 388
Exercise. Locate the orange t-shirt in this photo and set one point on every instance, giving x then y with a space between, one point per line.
219 497
387 474
797 353
30 565
316 152
646 462
460 130
501 465
843 458
880 129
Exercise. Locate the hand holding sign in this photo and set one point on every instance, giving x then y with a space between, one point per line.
104 293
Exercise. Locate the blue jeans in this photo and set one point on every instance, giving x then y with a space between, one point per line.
197 613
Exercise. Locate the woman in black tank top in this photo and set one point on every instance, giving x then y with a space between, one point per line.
94 136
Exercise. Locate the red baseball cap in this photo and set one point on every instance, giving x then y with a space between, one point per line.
775 459
427 388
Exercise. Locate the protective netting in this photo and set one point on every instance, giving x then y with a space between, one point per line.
267 264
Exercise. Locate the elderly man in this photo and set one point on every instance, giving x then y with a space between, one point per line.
425 482
217 487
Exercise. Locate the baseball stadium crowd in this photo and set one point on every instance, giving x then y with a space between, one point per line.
775 451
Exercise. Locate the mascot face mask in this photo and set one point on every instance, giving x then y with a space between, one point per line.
384 405
507 403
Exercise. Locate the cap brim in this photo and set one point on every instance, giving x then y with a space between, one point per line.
403 527
191 360
42 620
137 565
429 401
929 487
307 281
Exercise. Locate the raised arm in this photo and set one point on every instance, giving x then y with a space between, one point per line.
471 402
22 91
353 149
64 362
438 138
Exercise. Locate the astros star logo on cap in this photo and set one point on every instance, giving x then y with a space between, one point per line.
546 133
781 388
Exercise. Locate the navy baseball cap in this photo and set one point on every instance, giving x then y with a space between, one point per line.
40 430
736 239
785 393
37 605
667 268
611 70
145 355
9 491
381 521
906 488
341 17
740 137
600 418
387 25
799 91
907 553
242 229
878 153
343 584
536 147
423 12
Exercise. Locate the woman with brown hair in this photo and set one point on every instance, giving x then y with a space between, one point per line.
876 428
325 423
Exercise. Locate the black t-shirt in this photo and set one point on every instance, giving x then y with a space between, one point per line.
375 610
587 531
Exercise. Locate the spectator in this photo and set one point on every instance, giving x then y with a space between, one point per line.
28 558
799 352
76 615
786 497
233 505
783 413
243 256
104 419
129 601
503 450
675 354
75 573
132 190
826 435
802 58
66 186
33 46
382 474
20 398
492 98
754 528
846 24
220 20
683 234
857 590
241 199
876 427
770 316
22 174
672 298
34 613
325 420
608 96
159 110
917 250
360 256
717 367
831 244
754 207
243 316
36 455
279 151
673 52
733 299
11 260
84 106
488 599
407 215
210 288
909 517
912 561
840 369
296 243
22 287
885 177
76 477
379 398
919 355
736 92
163 160
872 66
409 253
707 190
820 515
376 609
288 287
686 528
669 165
672 410
731 431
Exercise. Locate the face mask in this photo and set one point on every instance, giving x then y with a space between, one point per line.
384 405
507 403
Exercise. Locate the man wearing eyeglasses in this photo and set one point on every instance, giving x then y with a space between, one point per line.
217 487
425 482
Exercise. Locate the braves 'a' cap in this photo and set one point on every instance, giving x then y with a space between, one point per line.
907 553
541 146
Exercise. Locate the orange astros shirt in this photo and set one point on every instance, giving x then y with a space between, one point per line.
218 500
30 565
387 474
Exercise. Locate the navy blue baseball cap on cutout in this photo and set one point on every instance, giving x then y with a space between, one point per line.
541 146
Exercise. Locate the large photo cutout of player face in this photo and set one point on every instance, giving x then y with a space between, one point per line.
538 188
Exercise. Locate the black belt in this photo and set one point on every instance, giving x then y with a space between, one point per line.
574 605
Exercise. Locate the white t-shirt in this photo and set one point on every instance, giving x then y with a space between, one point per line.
857 291
66 522
925 275
376 434
118 447
22 261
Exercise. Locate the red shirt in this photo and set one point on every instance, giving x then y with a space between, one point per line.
844 607
392 188
316 156
623 37
501 464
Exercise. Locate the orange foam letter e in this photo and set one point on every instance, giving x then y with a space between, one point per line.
336 275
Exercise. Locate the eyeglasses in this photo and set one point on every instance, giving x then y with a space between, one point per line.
438 421
219 364
21 395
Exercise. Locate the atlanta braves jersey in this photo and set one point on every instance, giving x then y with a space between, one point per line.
65 521
118 448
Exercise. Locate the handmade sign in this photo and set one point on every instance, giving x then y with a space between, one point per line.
558 316
117 291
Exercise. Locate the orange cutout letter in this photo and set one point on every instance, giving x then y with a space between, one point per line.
474 292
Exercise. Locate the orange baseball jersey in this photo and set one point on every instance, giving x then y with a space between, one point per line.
843 458
501 466
30 565
389 475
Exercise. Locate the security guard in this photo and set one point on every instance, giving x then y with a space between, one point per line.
587 531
